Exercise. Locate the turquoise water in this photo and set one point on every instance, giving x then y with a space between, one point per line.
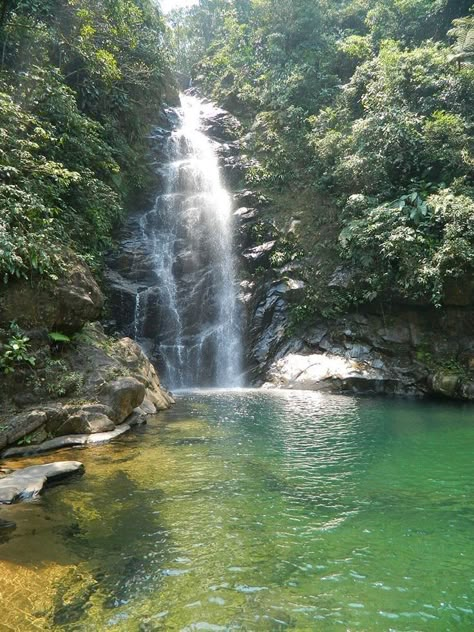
257 510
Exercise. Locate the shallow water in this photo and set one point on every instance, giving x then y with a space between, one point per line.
256 510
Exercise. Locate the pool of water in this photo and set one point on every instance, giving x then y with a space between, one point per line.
256 510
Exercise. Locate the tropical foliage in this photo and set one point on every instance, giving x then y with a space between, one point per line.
79 84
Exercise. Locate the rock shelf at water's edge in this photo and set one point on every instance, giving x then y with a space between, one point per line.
30 481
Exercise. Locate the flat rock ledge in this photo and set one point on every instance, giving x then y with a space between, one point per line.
67 441
319 372
29 482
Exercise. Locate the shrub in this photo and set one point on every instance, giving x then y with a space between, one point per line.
412 246
16 350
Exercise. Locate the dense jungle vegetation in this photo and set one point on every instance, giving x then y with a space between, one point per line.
80 83
360 113
358 118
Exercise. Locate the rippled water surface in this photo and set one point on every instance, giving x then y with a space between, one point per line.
256 510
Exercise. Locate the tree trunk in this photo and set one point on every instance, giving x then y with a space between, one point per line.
3 14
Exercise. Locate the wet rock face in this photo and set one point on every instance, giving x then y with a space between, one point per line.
130 273
269 323
404 349
219 124
328 372
171 283
259 256
400 353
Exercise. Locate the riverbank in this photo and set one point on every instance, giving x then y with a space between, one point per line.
66 376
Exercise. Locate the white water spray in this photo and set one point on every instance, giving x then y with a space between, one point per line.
189 236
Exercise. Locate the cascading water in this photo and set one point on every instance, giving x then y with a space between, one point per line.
188 234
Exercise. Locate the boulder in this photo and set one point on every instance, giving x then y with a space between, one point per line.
445 383
115 376
30 481
245 197
64 305
131 355
161 399
234 169
77 419
137 418
148 407
259 256
245 214
219 123
467 390
86 422
123 396
342 278
314 336
20 425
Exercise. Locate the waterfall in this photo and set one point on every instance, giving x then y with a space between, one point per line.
188 234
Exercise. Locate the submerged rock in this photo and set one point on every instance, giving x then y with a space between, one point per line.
30 481
6 528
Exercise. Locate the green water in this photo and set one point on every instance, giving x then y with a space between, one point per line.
256 511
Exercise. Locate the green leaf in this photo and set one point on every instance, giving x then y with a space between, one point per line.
56 336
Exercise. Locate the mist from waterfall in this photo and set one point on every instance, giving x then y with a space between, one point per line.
188 233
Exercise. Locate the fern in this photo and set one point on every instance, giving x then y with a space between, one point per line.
463 32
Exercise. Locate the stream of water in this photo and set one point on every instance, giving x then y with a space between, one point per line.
253 510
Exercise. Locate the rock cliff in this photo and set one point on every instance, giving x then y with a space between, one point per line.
394 349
